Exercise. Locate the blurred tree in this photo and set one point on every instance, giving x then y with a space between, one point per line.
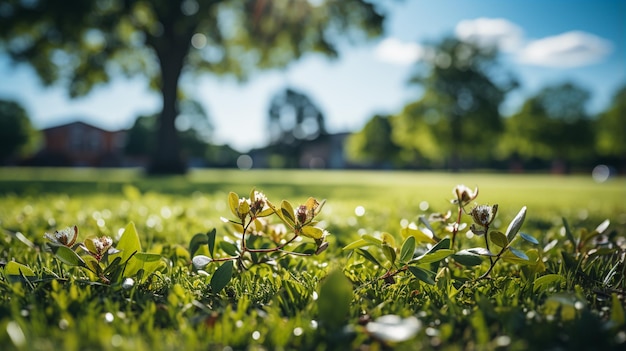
552 125
373 145
293 116
463 88
18 138
611 129
192 125
85 43
293 119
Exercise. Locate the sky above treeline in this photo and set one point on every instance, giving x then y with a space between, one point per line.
542 43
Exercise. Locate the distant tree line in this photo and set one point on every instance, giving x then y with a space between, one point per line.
456 123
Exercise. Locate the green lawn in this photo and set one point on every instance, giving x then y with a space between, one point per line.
275 306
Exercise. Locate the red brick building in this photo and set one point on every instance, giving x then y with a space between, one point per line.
80 144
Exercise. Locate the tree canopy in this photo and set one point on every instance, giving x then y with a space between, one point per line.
81 44
374 144
553 124
463 87
17 135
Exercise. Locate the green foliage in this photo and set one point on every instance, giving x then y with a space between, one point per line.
18 137
565 291
84 44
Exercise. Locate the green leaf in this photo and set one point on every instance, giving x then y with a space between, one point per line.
306 248
287 212
408 248
312 232
518 253
431 256
356 244
442 244
498 238
422 274
478 251
467 258
17 269
229 248
334 300
544 282
516 224
372 240
197 241
67 255
390 253
211 234
233 203
221 277
129 243
419 235
530 239
368 256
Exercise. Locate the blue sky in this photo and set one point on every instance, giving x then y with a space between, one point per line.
543 42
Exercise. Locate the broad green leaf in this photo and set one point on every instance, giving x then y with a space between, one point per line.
544 282
516 224
334 302
389 240
129 243
312 232
423 274
356 244
147 262
477 251
306 248
221 277
498 238
197 241
419 235
368 256
372 239
17 269
518 253
287 212
408 248
67 255
442 244
530 239
431 256
211 240
467 258
389 252
229 248
233 203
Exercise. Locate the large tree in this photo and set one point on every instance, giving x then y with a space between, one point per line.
463 87
373 145
552 125
611 130
18 138
86 43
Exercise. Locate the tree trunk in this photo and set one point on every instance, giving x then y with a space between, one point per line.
167 157
171 48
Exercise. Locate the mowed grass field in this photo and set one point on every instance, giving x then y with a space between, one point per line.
197 200
276 306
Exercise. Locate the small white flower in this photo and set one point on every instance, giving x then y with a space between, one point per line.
201 261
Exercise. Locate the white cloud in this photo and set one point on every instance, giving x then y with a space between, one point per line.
506 35
570 49
392 50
